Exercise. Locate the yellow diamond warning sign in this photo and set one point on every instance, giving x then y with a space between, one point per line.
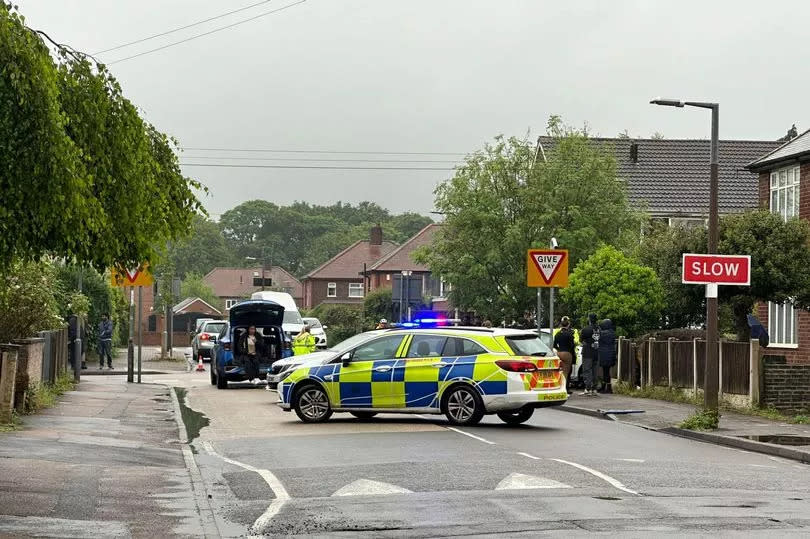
140 276
547 268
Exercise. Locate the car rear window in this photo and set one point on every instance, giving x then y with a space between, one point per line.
528 345
215 328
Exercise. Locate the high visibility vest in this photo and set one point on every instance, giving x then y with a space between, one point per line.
576 335
304 343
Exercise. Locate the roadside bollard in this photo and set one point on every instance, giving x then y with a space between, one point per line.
131 361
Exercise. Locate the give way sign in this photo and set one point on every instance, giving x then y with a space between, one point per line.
547 268
717 269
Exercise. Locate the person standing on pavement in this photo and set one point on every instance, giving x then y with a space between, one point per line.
607 353
249 349
105 332
565 345
590 355
303 343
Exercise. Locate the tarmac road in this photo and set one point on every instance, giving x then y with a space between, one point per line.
412 476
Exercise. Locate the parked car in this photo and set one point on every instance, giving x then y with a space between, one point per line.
463 373
204 340
267 317
316 329
198 324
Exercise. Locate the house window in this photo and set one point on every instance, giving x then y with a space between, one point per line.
230 303
783 324
331 290
686 222
355 290
387 276
439 288
444 288
785 192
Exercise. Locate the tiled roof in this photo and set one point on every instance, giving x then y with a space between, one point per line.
400 258
671 176
238 282
185 306
348 264
791 149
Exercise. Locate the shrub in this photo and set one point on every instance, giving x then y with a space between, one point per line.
28 300
343 320
702 420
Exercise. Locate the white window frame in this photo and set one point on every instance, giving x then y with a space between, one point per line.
444 288
784 192
783 325
331 290
354 288
230 303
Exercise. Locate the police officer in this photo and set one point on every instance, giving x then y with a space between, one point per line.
303 343
565 342
383 324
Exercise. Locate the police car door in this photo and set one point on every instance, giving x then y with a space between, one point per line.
366 381
416 377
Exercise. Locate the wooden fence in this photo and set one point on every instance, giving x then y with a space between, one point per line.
681 364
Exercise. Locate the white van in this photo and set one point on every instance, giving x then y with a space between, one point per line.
293 323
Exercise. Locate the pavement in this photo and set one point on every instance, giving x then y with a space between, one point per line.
151 362
245 467
105 462
753 433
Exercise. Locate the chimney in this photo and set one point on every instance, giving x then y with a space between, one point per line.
634 152
375 236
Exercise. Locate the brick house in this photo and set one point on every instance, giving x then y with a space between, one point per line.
668 177
231 285
385 272
784 188
340 279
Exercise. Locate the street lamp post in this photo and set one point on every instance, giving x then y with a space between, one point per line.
710 381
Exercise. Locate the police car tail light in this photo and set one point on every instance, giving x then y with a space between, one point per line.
512 365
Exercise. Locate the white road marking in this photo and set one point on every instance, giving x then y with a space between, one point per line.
780 461
272 481
762 466
367 487
471 435
600 475
530 456
518 481
631 460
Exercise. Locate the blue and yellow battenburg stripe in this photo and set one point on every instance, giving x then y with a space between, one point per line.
418 382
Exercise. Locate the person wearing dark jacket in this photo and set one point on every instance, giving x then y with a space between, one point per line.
589 336
565 345
249 349
105 333
607 353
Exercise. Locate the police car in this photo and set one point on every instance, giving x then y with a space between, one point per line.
463 373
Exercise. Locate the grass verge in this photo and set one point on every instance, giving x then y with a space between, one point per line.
15 424
45 395
701 420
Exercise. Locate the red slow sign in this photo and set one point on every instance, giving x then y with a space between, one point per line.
720 269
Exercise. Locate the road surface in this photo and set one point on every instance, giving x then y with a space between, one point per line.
415 476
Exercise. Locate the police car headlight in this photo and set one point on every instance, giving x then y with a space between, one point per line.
287 372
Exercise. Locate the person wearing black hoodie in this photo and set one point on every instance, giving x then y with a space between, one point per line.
607 353
589 336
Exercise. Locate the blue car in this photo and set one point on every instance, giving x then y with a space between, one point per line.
268 317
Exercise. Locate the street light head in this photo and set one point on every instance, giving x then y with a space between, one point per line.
667 102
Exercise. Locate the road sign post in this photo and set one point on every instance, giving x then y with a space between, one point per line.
133 277
713 270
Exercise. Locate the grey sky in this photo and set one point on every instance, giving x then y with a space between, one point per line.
435 76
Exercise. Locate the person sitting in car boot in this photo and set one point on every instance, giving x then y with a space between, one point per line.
249 350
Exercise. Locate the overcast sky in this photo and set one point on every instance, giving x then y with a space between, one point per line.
433 76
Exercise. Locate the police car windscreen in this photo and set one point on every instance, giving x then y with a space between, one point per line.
528 345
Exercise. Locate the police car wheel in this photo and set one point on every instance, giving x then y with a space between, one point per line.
363 415
516 417
463 406
312 404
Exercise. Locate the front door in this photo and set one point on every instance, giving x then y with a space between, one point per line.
366 381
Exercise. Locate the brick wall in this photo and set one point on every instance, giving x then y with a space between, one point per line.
801 354
316 292
786 386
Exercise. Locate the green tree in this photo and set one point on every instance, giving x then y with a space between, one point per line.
193 286
501 203
203 250
661 249
343 320
87 179
614 286
376 306
29 300
95 287
780 258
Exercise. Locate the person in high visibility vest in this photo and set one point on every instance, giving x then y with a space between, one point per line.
303 343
